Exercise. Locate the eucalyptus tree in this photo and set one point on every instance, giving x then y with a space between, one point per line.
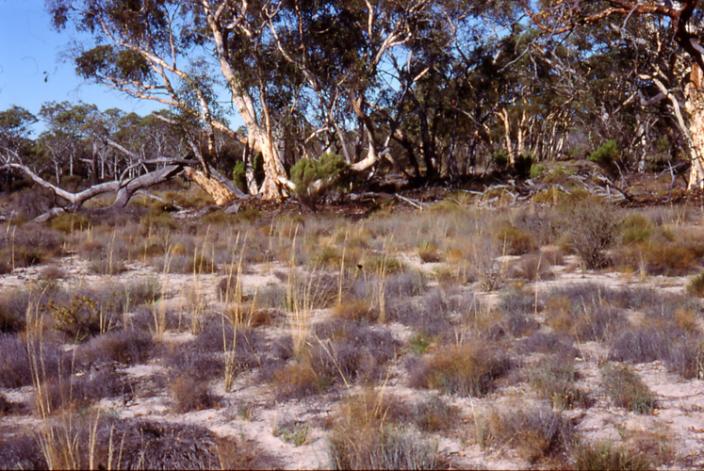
671 32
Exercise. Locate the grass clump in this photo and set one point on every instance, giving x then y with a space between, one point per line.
362 438
429 253
608 457
554 380
69 222
356 310
467 369
514 240
297 379
626 389
635 228
695 287
536 433
189 394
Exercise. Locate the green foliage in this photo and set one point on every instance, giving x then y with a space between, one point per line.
606 154
104 60
328 167
258 168
239 176
536 171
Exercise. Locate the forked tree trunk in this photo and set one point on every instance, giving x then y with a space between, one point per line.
694 105
221 190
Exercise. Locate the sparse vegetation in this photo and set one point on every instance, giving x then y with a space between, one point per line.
625 389
308 321
536 432
362 439
606 456
468 369
364 234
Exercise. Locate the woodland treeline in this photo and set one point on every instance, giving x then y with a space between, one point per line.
332 92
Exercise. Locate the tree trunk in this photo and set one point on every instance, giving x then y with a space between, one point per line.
694 105
215 185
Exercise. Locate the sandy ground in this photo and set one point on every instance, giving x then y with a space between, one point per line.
250 410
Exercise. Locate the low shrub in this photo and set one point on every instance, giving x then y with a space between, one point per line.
328 169
189 394
15 369
583 313
142 444
591 228
548 343
298 379
13 309
362 439
695 287
351 352
429 253
513 240
605 456
635 229
658 258
468 369
356 310
681 351
535 433
65 392
20 450
533 267
435 415
554 379
127 347
625 389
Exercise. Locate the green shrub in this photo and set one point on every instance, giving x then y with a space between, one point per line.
606 154
239 176
328 167
536 171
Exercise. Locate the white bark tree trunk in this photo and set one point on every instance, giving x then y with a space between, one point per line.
261 131
694 105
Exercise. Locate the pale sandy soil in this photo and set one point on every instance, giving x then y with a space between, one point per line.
680 412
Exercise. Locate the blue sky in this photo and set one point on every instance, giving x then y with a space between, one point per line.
30 50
